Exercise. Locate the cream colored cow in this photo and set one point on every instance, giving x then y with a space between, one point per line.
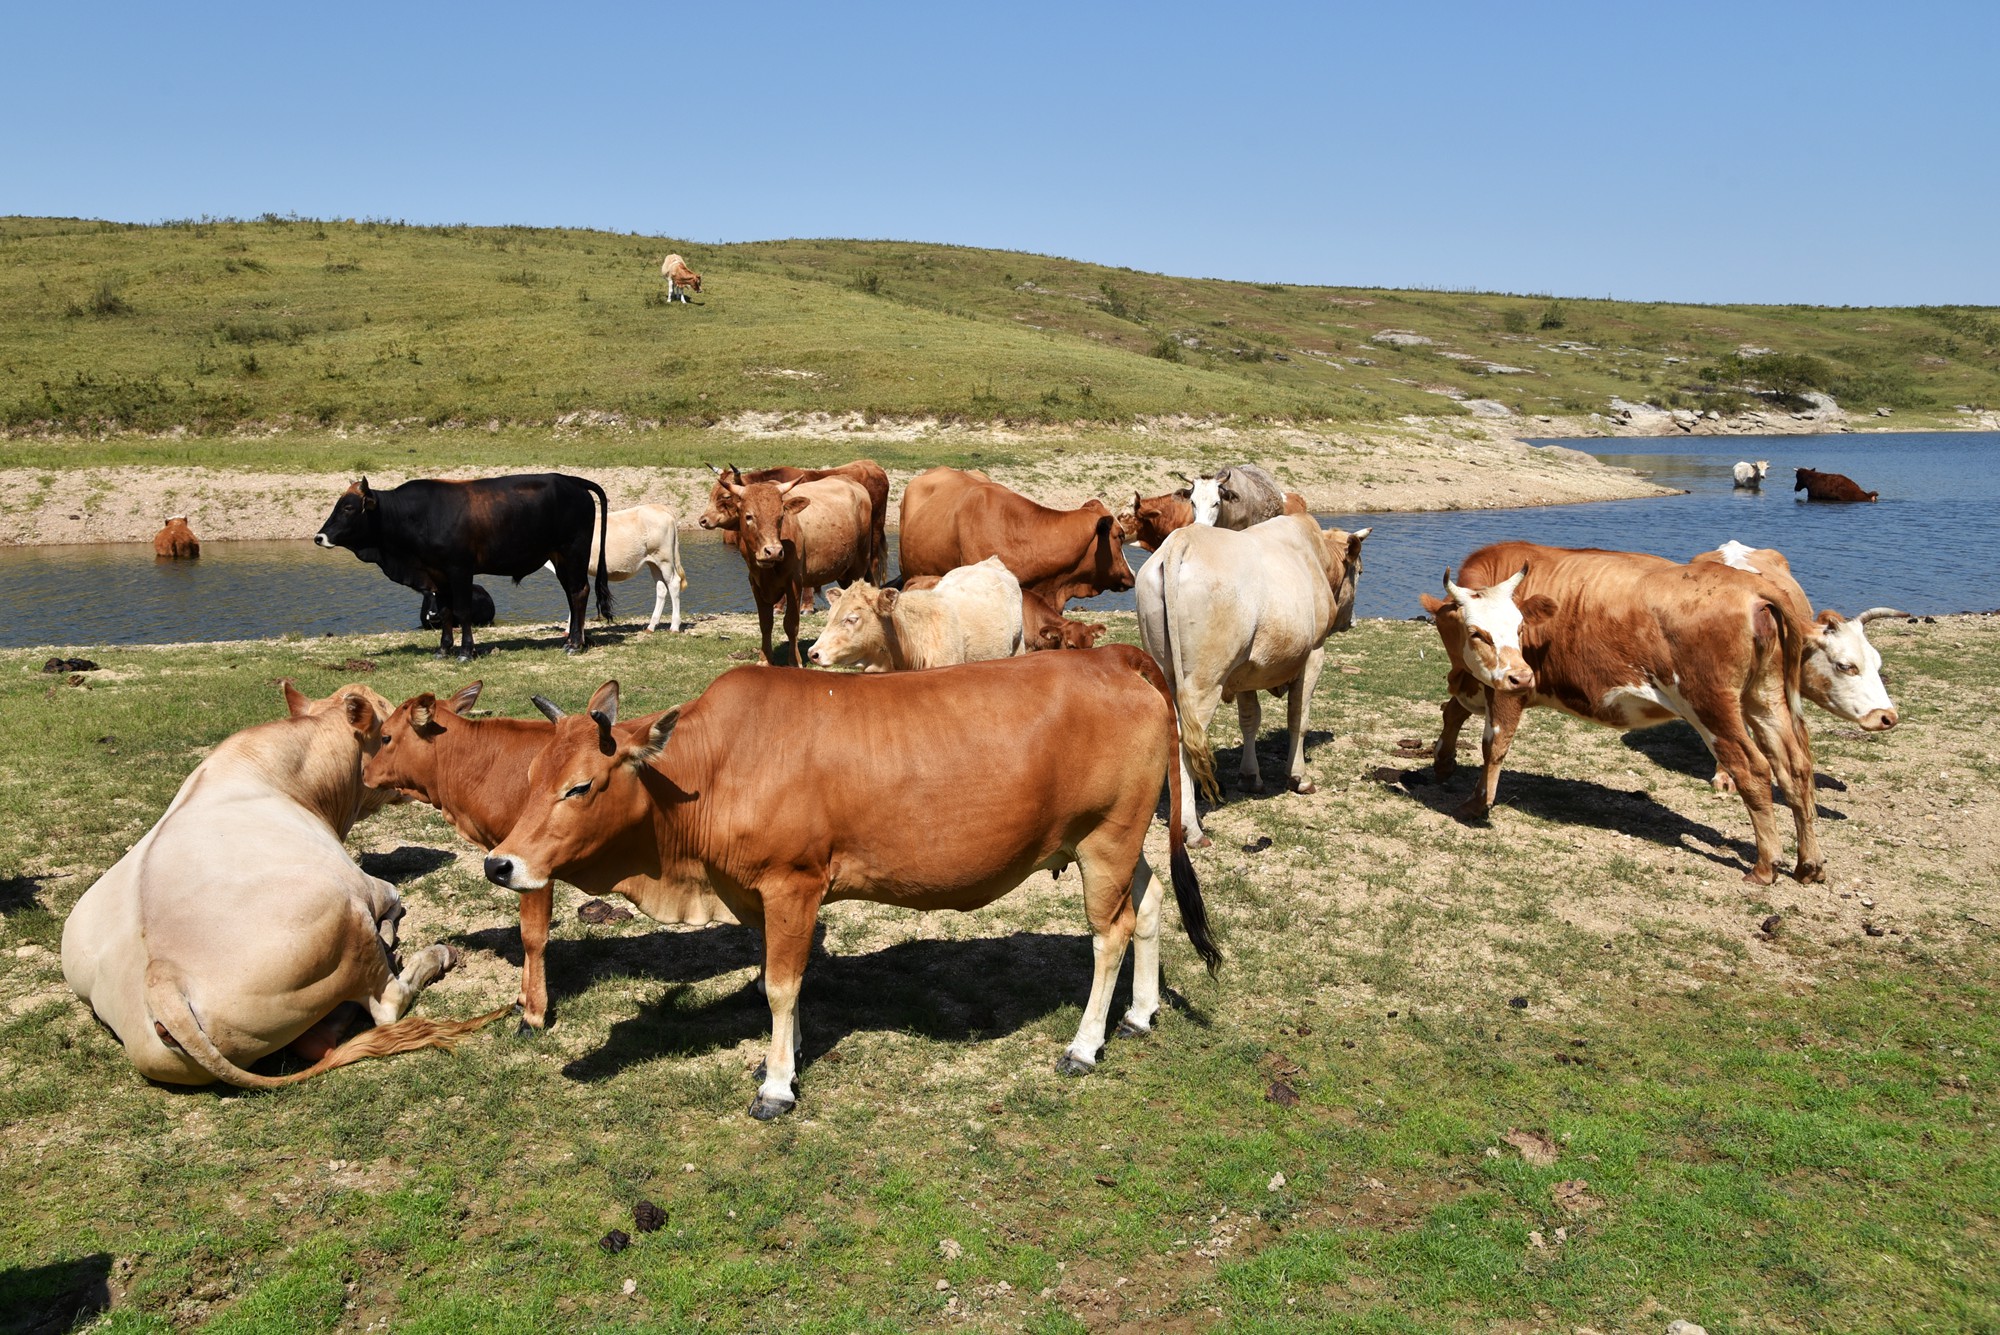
239 922
970 615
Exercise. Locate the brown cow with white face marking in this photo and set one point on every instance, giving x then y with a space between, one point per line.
847 808
1631 641
953 518
1042 627
475 771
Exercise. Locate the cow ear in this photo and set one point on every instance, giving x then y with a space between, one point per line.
467 697
1538 608
1830 619
604 704
646 752
422 708
1185 493
1225 493
295 703
361 714
1432 603
885 601
794 504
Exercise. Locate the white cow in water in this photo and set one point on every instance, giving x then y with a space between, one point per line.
239 925
1229 613
645 537
1749 476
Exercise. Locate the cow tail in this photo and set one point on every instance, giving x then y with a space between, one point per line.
1794 643
1187 890
168 1005
1194 741
603 550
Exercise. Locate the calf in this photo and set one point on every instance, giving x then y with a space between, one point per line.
1227 614
1631 642
1151 518
1065 758
430 616
973 614
239 923
176 541
436 536
1042 627
475 771
953 518
796 536
680 278
1831 487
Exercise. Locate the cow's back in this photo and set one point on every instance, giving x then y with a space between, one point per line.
1029 753
499 526
927 522
1238 608
834 541
985 598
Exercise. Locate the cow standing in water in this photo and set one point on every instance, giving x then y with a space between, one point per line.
846 808
1831 487
176 542
1749 476
435 536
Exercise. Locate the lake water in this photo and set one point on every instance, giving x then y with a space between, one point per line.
1924 548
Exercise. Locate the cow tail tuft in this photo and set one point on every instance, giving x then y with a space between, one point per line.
603 550
168 1005
1187 889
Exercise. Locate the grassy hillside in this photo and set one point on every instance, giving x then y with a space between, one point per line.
211 324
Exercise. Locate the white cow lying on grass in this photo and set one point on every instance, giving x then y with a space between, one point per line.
238 923
1227 614
645 537
969 615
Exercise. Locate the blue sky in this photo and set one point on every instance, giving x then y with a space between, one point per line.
1827 153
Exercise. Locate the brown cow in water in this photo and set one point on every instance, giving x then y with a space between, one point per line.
724 513
475 771
1831 487
796 536
953 517
176 542
848 808
1630 641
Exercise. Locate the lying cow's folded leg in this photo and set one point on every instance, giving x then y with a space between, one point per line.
1250 717
1107 900
1145 1006
425 967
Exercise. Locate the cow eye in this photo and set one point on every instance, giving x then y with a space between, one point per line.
578 791
1851 669
1475 633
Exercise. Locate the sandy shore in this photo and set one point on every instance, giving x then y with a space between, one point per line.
1428 465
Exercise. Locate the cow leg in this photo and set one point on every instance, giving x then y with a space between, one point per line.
660 598
537 907
457 602
1298 704
1444 761
792 623
1792 767
1249 717
1145 954
579 608
401 991
765 611
1503 716
1107 902
791 909
1752 772
1203 705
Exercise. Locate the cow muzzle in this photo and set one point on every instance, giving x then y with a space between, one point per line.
510 874
321 540
1877 720
1514 677
770 556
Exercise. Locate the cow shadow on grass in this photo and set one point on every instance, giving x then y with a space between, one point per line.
399 866
1678 747
950 991
497 640
18 893
55 1297
574 965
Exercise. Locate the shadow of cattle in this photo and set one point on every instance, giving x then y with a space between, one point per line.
18 893
399 866
1677 747
43 1299
1580 802
574 965
551 639
950 991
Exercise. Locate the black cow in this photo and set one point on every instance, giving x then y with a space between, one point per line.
435 536
430 615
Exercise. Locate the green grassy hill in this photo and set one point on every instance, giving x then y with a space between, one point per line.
208 325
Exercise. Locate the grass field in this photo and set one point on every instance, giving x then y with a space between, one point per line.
1550 1074
295 324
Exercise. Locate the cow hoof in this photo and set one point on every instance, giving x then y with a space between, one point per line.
1251 783
1722 783
1070 1064
1126 1029
1759 876
1472 811
451 958
528 1028
1200 841
572 648
1443 769
1809 873
764 1108
1304 786
464 655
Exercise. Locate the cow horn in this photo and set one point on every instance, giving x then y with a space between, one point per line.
1185 478
550 710
1874 612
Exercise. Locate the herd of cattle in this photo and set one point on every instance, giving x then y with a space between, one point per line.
705 813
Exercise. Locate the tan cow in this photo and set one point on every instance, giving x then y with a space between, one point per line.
645 537
176 542
679 278
475 771
724 513
1059 759
796 536
973 614
1632 641
239 922
1228 613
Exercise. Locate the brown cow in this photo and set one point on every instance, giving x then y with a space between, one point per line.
953 518
847 808
1151 518
1630 642
176 542
796 536
679 277
1042 627
1831 487
723 512
475 771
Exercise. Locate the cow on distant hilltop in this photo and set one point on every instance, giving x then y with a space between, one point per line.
680 278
